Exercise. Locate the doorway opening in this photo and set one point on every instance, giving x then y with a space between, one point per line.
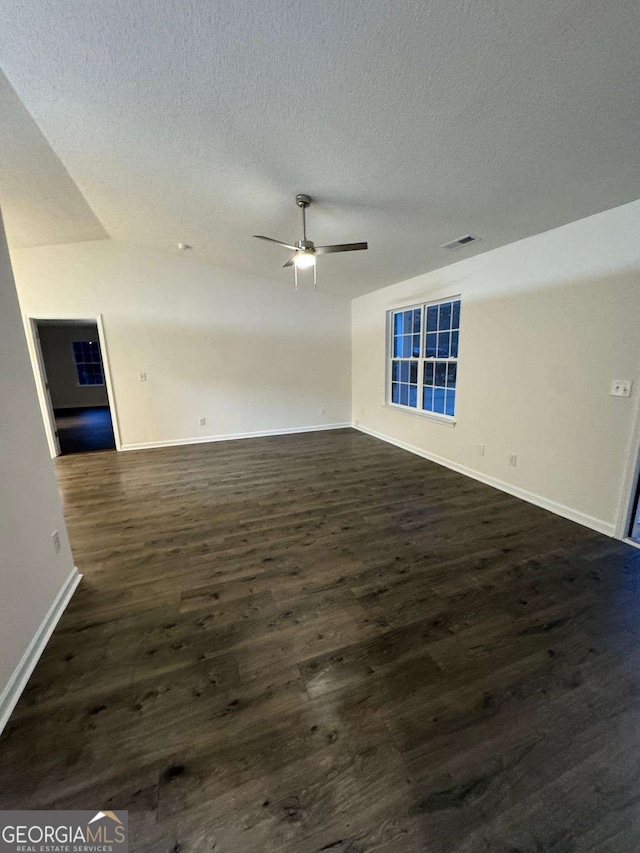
628 527
634 527
73 385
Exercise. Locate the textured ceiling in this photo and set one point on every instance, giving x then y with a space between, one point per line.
40 202
412 122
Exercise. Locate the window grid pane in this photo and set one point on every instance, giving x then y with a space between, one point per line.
86 355
425 380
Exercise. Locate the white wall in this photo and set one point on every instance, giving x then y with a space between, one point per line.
247 354
547 323
31 573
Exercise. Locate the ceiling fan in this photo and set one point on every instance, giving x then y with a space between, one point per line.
305 251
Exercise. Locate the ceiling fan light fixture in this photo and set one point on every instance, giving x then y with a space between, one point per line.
304 260
304 250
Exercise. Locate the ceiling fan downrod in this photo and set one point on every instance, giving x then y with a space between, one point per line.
305 246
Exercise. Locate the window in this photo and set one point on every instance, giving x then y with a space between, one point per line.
86 355
424 357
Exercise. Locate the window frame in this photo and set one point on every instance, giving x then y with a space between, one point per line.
77 364
447 420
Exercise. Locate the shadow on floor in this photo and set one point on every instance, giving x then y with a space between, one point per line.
86 429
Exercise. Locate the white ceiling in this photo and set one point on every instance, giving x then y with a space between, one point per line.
412 122
40 202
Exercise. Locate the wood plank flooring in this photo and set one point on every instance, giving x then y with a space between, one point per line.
320 642
81 430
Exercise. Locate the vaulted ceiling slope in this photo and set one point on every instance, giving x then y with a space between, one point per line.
411 122
40 202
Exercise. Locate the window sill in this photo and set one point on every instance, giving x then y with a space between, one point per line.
444 420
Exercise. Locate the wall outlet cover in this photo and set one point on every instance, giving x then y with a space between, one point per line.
202 421
621 388
513 459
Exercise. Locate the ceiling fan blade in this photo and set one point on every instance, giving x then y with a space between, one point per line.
279 242
289 263
340 247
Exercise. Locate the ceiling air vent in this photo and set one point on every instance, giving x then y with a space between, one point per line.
461 241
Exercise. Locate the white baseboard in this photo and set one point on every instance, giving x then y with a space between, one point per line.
18 681
175 442
545 503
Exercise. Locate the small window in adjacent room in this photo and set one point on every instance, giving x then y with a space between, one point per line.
86 355
423 354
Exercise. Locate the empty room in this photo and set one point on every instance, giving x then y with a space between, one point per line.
319 426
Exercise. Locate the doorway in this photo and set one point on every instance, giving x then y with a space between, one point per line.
628 526
634 528
73 379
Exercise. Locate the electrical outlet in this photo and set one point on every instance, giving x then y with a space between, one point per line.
202 421
143 376
56 541
513 459
323 411
621 388
481 450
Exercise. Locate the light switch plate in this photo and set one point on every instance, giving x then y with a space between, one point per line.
621 388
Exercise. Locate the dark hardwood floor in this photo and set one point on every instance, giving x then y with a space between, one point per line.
84 429
323 643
